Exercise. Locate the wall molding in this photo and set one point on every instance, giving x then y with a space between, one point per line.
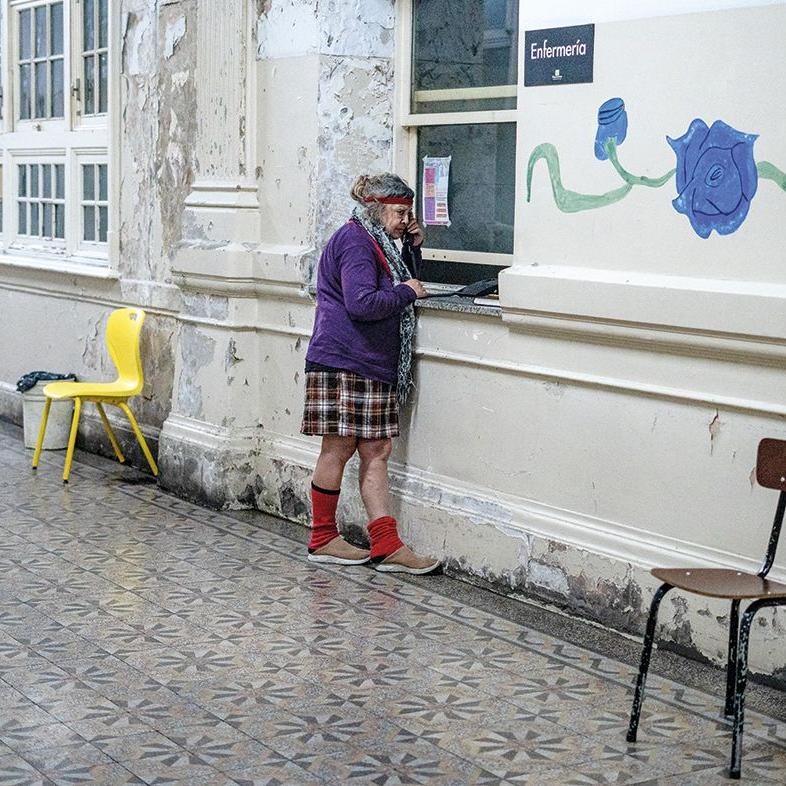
515 517
104 293
108 291
616 384
241 270
710 317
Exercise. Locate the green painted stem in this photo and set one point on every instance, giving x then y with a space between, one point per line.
568 201
634 180
771 172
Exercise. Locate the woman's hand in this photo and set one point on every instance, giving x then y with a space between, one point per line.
415 231
416 286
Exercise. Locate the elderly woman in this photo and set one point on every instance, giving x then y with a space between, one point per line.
358 368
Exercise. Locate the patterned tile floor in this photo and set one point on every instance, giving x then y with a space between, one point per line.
147 640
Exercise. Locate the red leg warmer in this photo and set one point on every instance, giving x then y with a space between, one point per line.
384 538
323 529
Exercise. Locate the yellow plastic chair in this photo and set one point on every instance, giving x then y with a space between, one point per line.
122 338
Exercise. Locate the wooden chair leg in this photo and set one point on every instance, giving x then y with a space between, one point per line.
649 638
139 437
731 663
735 766
72 439
41 433
110 433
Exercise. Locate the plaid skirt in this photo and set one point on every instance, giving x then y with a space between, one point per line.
348 405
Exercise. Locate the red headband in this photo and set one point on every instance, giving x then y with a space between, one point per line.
394 200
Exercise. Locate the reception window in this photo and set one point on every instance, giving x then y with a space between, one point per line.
459 122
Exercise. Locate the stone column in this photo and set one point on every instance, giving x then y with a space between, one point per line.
212 435
223 206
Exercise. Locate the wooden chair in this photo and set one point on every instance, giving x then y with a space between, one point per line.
734 586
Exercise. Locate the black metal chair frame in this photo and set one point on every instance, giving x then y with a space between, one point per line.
739 634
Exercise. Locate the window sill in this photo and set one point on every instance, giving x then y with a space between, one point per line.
73 266
462 305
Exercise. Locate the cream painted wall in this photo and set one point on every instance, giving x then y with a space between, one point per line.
664 351
725 65
574 12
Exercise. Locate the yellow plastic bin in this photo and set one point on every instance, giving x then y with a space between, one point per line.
59 424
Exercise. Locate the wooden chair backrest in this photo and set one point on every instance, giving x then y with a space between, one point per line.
771 464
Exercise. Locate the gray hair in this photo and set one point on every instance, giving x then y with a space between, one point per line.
384 185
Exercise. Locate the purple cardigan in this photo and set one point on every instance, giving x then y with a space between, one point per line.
356 327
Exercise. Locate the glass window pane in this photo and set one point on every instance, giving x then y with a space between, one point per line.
89 85
40 89
57 88
88 189
59 181
103 218
88 26
46 177
102 184
103 22
60 221
481 189
465 55
35 190
41 48
24 92
22 206
89 232
56 28
495 12
46 229
22 176
102 82
35 224
25 34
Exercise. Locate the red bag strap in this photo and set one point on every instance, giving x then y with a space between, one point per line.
380 253
381 257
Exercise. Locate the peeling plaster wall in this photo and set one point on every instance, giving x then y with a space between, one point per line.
158 133
67 313
325 112
511 467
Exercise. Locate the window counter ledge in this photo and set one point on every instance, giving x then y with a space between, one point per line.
464 305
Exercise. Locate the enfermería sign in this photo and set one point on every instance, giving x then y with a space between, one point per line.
559 55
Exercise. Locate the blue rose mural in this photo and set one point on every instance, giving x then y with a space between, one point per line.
612 124
716 176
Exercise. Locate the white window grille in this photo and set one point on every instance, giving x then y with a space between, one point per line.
57 91
41 200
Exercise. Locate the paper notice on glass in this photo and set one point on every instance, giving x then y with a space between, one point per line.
436 173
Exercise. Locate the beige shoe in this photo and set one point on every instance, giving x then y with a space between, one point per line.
406 561
339 552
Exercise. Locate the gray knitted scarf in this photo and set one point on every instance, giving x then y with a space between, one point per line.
407 322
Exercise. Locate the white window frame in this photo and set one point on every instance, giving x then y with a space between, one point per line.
88 248
407 123
97 119
74 139
11 45
34 242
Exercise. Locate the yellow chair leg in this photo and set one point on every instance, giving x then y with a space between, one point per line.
72 439
139 437
41 433
110 433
